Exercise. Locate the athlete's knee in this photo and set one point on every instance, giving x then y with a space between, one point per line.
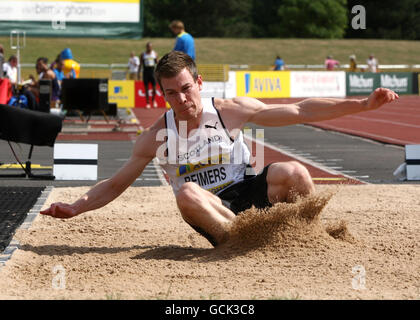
292 174
189 196
300 173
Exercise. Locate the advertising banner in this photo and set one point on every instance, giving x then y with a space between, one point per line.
416 84
264 84
121 92
400 82
140 95
72 17
362 83
317 84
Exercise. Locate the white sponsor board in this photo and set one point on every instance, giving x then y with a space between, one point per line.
317 84
412 158
213 89
75 161
230 89
71 11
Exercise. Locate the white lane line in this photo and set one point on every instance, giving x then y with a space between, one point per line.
367 135
378 112
160 172
151 167
386 121
304 160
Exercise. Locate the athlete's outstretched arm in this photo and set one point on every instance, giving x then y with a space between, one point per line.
308 110
107 190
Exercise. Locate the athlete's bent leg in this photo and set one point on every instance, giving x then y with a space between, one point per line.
200 208
286 180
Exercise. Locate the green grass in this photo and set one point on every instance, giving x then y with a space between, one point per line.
259 53
226 51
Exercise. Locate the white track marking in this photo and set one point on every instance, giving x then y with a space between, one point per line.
302 159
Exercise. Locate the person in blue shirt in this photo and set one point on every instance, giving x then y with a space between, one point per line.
58 69
278 64
184 41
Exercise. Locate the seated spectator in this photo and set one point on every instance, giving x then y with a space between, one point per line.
54 64
353 63
58 69
45 73
71 67
10 69
278 64
330 63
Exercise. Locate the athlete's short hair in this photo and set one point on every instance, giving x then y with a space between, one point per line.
172 64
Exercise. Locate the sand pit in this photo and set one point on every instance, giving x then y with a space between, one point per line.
346 242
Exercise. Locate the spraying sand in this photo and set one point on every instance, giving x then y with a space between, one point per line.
345 242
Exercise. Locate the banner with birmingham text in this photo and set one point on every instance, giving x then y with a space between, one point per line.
73 18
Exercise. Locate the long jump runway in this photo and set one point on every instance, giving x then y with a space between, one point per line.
330 157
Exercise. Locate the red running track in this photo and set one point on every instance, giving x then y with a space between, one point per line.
148 116
395 123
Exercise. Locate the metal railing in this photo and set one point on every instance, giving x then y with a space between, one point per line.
216 72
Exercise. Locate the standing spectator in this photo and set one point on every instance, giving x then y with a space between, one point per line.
278 64
133 66
372 64
10 69
184 41
330 63
148 61
353 64
1 61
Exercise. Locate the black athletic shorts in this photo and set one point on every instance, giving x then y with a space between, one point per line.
252 191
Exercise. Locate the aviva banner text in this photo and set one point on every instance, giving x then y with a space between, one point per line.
264 84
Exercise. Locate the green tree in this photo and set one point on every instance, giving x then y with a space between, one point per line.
300 18
266 23
202 18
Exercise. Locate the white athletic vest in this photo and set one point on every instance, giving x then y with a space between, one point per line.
149 58
209 157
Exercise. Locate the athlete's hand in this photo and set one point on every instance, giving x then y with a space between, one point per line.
379 97
60 210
